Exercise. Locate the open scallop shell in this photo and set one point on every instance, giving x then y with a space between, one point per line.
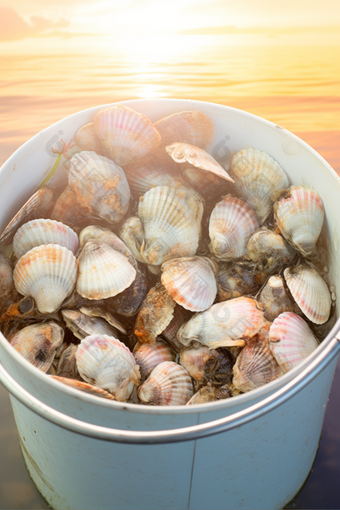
125 134
39 232
300 216
291 340
258 179
190 127
86 139
310 292
103 272
169 384
232 223
191 282
149 356
47 273
84 387
171 221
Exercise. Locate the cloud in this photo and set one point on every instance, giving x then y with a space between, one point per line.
14 28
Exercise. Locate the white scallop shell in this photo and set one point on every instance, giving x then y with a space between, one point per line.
149 356
106 362
171 221
291 340
232 223
258 179
310 292
300 217
86 139
169 384
38 232
103 272
126 134
191 282
48 274
190 127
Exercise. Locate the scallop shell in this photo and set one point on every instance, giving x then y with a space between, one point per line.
232 223
191 282
224 324
185 153
103 272
100 184
180 316
106 362
155 315
35 207
149 356
84 387
82 325
275 299
189 127
258 179
236 280
128 302
86 139
168 385
38 343
6 277
255 365
67 365
132 234
207 365
269 250
205 394
48 274
39 232
96 233
94 311
291 340
126 135
171 221
69 209
300 217
310 292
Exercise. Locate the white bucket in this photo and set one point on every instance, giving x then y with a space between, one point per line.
253 451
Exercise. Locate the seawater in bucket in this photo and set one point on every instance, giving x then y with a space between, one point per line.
253 451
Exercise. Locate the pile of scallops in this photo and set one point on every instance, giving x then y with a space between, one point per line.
159 277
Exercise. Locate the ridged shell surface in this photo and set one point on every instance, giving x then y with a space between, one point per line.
132 234
168 385
86 138
41 231
191 282
103 272
232 223
48 274
185 153
224 324
300 217
38 343
269 250
171 221
291 340
86 388
310 292
258 178
106 362
100 185
126 135
190 127
149 356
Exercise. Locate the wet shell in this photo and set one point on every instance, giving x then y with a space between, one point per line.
38 343
86 139
300 217
100 184
310 292
126 135
132 234
107 363
224 324
149 356
206 394
191 282
36 207
192 127
155 315
103 272
236 280
48 274
275 299
97 312
170 333
67 366
128 302
207 365
96 233
185 153
291 340
84 387
82 325
69 209
255 365
171 221
39 232
269 250
6 278
168 385
258 179
232 223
